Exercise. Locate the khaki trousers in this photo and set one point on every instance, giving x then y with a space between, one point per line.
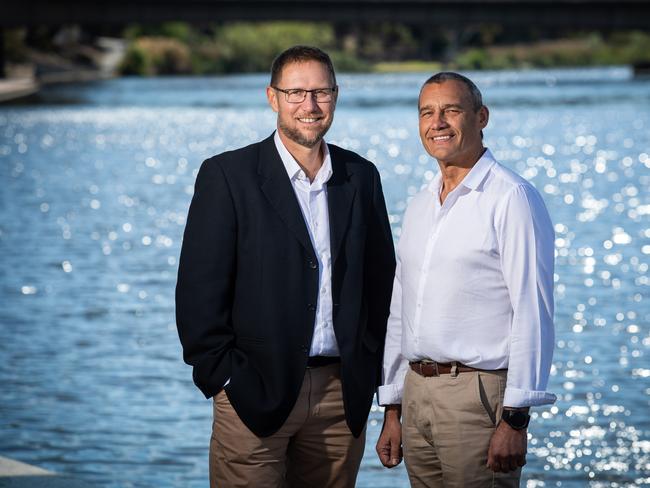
314 447
447 423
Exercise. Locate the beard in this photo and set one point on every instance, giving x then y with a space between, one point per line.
301 138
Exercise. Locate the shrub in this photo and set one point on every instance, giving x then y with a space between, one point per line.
157 56
249 47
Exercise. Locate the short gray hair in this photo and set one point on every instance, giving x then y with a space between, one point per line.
474 92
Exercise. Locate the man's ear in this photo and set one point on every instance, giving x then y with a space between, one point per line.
272 97
483 116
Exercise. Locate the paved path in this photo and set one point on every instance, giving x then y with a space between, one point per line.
17 88
14 474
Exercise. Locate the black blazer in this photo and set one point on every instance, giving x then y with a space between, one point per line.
248 283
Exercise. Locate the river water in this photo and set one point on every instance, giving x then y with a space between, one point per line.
96 182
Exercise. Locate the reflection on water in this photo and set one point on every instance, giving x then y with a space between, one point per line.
96 181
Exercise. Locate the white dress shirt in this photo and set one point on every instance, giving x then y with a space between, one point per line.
312 197
474 283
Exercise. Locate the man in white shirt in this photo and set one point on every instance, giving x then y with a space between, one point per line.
283 292
470 334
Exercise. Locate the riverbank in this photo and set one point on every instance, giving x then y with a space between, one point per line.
178 48
181 49
25 87
24 80
15 474
17 88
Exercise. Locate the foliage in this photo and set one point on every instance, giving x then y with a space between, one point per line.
181 31
386 41
414 66
239 47
14 45
180 48
586 50
348 63
157 56
248 47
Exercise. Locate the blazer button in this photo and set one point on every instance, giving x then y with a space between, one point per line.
304 348
313 265
311 307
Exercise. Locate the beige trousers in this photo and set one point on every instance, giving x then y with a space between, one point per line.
447 423
314 447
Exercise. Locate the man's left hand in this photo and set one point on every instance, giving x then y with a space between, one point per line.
507 450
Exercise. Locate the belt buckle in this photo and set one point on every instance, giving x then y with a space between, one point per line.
426 362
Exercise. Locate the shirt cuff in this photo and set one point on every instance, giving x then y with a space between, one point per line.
514 397
389 394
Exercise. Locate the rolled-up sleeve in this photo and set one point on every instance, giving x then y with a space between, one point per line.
395 365
526 241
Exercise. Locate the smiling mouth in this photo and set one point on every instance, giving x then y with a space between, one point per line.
309 120
441 138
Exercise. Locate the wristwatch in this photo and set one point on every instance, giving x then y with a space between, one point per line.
517 419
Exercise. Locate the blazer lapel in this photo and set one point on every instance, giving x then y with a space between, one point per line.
340 194
277 188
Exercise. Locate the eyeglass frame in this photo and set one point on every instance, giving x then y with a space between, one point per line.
334 89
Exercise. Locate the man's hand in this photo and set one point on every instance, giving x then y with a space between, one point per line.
389 445
507 450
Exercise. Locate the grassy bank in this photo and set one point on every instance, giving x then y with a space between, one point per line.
240 47
250 47
246 47
410 66
589 50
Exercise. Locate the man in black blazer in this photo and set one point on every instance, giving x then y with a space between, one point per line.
283 292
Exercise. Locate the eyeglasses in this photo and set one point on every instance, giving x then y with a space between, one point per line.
298 95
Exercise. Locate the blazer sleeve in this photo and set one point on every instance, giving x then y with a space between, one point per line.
206 278
379 265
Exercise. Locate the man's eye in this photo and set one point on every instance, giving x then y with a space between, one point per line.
296 92
425 115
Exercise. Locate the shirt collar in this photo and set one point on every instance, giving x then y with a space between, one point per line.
294 171
479 171
472 179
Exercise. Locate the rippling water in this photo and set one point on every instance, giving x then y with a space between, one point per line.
96 182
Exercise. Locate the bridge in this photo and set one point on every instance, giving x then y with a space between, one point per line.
579 14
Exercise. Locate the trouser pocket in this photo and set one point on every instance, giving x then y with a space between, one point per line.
489 393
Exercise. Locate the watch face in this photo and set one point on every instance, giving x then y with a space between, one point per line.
516 419
519 418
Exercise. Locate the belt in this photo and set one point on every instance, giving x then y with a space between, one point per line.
432 368
320 361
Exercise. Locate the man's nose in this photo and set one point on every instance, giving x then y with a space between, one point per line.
438 121
310 102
